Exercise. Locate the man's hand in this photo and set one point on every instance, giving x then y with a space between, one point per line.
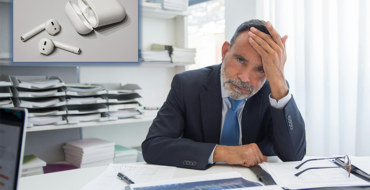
273 55
245 155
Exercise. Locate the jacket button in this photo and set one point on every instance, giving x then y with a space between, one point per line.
290 122
194 163
184 162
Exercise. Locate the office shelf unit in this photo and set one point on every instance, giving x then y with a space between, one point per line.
89 124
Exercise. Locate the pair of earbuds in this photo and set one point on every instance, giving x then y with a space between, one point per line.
46 46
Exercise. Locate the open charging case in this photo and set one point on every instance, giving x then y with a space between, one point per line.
90 14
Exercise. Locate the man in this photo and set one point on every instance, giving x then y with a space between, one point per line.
229 112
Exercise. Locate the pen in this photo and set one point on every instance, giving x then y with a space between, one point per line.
125 178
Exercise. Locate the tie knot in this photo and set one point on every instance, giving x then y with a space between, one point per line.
235 103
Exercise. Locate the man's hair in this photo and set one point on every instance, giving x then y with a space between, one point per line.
246 26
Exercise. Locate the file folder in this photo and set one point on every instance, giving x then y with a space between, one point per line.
6 103
37 82
47 111
5 80
39 102
33 93
86 109
5 92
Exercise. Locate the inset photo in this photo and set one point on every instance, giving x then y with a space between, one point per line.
76 31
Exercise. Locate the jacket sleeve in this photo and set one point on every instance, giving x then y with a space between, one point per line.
287 131
164 144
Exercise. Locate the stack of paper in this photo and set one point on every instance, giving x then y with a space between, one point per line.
19 92
46 120
5 92
32 165
39 83
183 55
40 102
84 89
84 118
47 112
124 113
89 152
124 154
86 100
149 56
6 102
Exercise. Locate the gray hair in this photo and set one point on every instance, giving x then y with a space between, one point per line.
246 26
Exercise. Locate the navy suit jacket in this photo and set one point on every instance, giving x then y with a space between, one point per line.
188 125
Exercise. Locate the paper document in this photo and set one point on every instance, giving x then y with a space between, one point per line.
35 93
39 83
122 106
219 181
85 100
44 120
42 103
124 113
137 173
283 174
81 118
4 102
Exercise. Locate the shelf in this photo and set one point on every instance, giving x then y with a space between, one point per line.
154 10
163 64
88 124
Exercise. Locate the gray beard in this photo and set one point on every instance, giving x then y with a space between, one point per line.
233 92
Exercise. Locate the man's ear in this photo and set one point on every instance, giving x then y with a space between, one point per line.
225 49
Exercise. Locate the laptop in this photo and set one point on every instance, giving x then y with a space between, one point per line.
13 122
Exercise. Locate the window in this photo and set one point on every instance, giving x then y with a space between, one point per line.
206 30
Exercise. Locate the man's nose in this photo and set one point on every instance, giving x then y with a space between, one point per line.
244 75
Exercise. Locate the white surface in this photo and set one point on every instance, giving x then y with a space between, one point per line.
76 179
137 173
113 43
362 163
283 175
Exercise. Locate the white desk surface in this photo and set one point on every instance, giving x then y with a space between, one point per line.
76 179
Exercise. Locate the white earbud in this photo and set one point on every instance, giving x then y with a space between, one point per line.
51 26
46 46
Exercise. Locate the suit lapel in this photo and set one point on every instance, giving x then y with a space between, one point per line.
251 119
211 107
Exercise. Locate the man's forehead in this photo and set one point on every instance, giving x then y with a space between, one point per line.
243 47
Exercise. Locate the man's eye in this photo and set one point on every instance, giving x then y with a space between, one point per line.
240 60
260 70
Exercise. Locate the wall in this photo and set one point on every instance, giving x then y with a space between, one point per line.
4 27
237 12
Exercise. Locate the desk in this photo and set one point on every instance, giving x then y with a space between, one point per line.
76 179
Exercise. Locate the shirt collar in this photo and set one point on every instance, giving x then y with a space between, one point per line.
223 92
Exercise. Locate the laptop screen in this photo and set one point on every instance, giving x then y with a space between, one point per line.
12 123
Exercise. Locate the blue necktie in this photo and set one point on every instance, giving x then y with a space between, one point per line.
230 131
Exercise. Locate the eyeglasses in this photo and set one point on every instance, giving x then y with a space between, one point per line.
346 164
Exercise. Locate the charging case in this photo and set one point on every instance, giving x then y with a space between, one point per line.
90 14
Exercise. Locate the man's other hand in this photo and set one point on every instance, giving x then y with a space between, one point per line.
245 155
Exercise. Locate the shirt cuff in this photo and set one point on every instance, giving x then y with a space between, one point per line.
210 159
282 102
